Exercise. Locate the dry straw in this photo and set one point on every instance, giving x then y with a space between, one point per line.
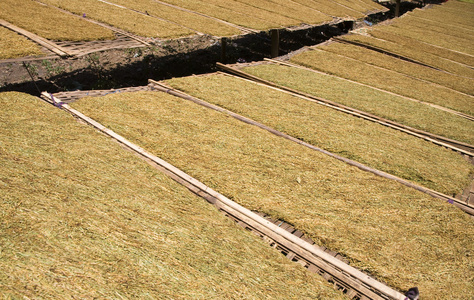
13 45
289 9
400 236
123 18
413 24
49 22
458 13
411 48
419 34
80 217
196 22
389 80
331 8
433 36
388 106
462 84
366 142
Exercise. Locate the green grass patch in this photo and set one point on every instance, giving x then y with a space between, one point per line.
122 18
384 79
399 235
366 99
50 23
432 56
187 19
13 45
461 84
80 217
364 141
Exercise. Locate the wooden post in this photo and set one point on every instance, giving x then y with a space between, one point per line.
223 50
275 42
397 9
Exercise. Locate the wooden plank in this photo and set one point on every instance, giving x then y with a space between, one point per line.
330 264
42 41
465 207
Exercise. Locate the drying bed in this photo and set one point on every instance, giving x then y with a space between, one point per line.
300 13
414 23
123 18
237 13
50 23
460 84
364 98
13 45
457 13
451 39
421 36
429 36
369 143
388 80
190 20
82 218
378 224
331 8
